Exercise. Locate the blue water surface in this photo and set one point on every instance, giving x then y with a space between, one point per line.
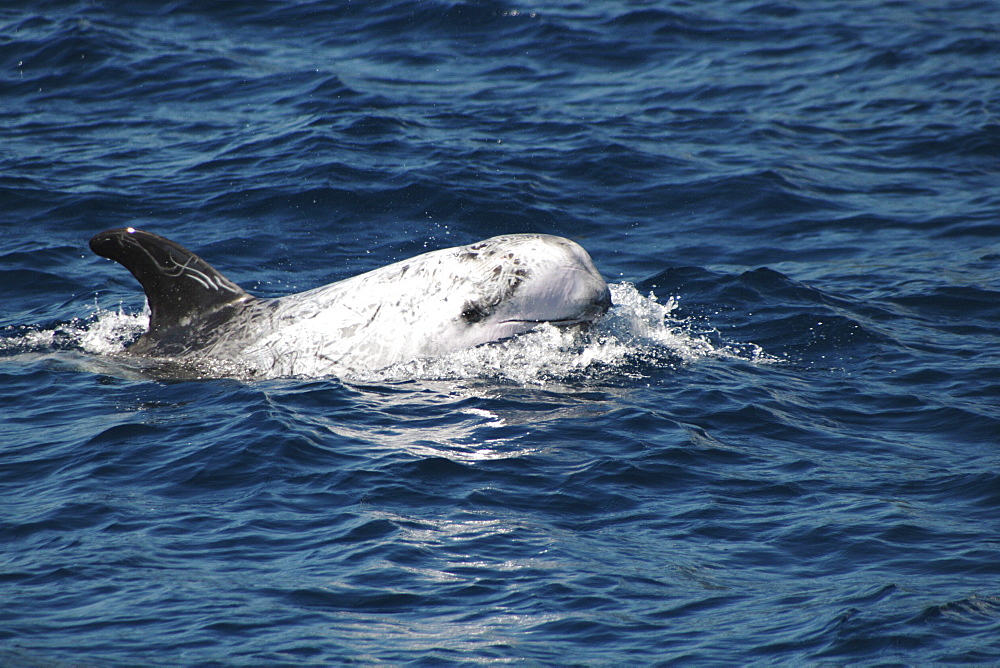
782 446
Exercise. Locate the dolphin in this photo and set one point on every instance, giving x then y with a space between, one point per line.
429 305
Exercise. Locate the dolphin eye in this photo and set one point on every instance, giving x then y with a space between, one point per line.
472 312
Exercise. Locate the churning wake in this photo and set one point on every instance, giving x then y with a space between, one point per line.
636 335
102 333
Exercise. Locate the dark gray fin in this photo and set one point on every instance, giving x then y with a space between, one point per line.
182 289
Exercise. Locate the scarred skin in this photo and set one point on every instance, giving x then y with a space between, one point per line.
429 305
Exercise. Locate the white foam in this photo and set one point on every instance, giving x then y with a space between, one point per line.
638 335
104 332
112 331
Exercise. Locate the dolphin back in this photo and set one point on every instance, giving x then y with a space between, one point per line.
182 290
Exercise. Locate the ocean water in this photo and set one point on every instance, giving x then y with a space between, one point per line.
780 446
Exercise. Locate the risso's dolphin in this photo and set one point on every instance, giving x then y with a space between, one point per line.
429 305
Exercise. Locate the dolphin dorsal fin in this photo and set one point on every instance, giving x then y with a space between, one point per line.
179 285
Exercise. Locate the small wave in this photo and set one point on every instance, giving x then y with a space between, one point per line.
105 332
638 335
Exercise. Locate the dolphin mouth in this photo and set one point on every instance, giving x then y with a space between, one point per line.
589 315
568 322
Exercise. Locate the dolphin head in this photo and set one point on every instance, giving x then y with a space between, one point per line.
528 279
